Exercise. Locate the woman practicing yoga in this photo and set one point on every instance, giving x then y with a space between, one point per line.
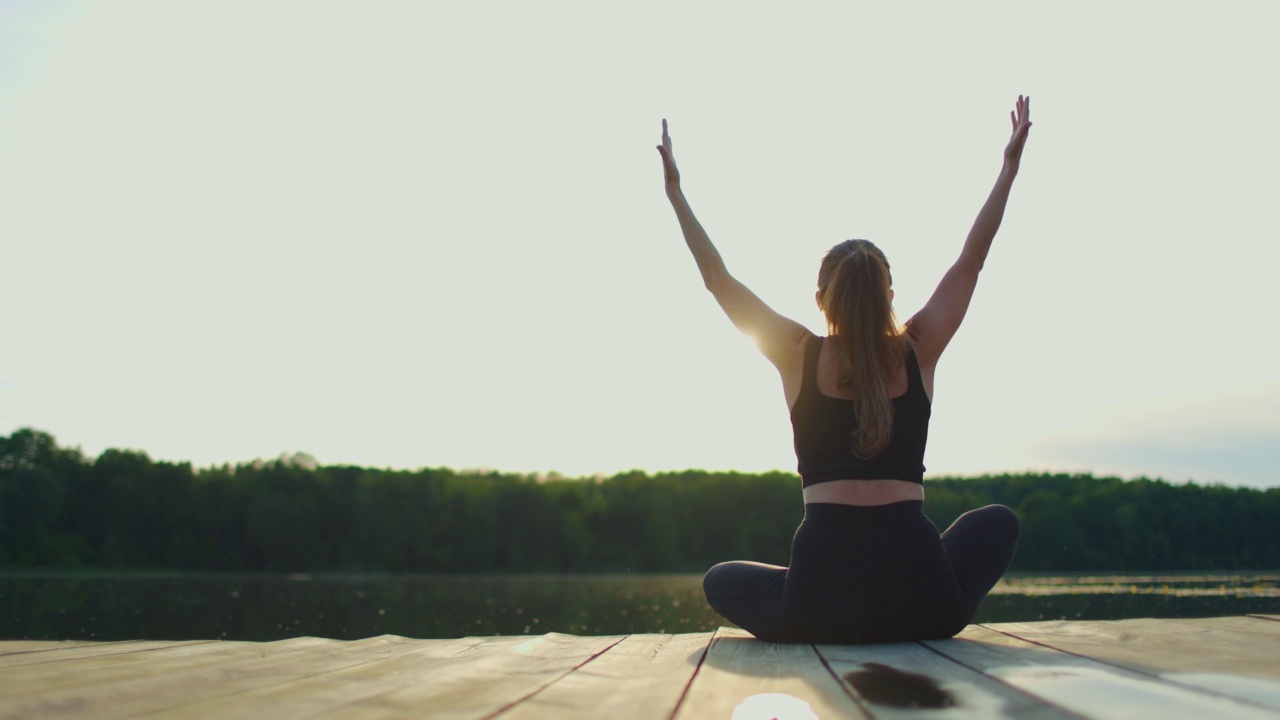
867 565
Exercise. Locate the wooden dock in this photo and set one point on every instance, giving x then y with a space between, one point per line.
1215 668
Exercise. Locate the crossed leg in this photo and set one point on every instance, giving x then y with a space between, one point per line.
980 545
748 594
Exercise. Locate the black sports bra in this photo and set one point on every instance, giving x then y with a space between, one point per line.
823 428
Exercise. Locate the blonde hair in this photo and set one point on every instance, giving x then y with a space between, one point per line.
854 293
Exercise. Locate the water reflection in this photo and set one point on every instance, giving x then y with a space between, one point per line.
257 607
1026 597
271 607
1182 585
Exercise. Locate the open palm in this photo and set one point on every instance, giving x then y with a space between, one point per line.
669 170
1020 116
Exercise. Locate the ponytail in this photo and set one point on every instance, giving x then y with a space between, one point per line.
854 285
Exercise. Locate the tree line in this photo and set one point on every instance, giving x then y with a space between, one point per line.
122 509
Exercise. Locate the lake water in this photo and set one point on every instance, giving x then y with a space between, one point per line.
118 606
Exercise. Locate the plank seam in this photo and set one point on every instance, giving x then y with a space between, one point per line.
69 647
857 700
1004 684
1262 617
697 668
1138 669
267 687
126 652
553 681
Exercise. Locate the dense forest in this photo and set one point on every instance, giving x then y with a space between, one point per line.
124 510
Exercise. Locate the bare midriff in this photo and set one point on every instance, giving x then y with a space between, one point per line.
863 492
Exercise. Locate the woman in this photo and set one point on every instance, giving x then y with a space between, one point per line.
867 565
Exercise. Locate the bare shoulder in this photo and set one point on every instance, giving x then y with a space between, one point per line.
786 351
928 346
782 341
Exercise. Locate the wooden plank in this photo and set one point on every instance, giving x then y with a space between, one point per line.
1260 692
1243 623
81 652
1221 668
1235 656
440 679
643 676
319 689
742 677
82 674
1237 645
10 647
909 680
124 686
1085 686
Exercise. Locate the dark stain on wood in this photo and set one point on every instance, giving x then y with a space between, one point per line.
883 685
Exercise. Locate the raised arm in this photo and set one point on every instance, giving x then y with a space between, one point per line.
779 338
933 327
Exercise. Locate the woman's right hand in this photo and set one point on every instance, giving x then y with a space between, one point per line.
669 170
1020 116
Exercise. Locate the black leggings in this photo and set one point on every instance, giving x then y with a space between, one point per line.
864 574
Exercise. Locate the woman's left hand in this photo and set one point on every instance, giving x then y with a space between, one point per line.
669 170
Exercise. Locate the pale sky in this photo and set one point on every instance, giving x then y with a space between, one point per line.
405 234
